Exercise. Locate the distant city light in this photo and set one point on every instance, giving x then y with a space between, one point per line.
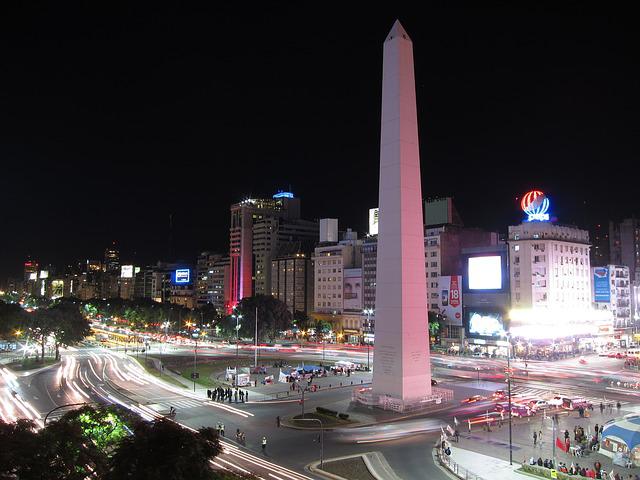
282 194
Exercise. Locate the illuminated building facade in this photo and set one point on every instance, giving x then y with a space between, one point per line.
549 266
612 291
624 244
213 281
112 259
292 280
258 227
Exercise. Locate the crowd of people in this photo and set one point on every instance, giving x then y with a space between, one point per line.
597 471
221 394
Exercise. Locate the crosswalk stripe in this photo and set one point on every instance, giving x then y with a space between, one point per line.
536 392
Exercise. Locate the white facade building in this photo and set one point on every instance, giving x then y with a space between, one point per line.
549 267
330 261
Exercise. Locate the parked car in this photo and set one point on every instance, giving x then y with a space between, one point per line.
433 382
575 403
557 401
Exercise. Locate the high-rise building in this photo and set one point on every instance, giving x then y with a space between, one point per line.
258 227
30 277
292 279
143 283
624 246
213 277
112 259
441 211
599 245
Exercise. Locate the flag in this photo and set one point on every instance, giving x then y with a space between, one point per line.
561 445
455 421
450 430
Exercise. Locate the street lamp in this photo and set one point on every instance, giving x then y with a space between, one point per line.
166 328
237 317
321 436
509 393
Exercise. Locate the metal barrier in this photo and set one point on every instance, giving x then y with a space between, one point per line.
458 470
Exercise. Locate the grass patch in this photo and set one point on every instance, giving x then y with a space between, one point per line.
352 468
151 370
207 372
31 363
327 420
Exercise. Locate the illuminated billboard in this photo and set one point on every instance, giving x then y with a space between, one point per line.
182 276
485 273
352 289
44 274
601 288
485 323
450 298
33 276
57 289
373 221
126 271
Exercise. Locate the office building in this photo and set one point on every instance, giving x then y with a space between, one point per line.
258 227
292 279
112 259
213 281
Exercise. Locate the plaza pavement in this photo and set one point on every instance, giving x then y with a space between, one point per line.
474 447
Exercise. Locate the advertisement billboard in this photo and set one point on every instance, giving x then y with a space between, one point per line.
373 221
44 274
601 288
450 302
182 276
33 276
485 273
485 323
126 271
352 289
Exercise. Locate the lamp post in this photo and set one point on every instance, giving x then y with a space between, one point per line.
195 360
321 436
509 394
166 333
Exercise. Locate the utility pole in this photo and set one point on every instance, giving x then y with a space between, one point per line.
195 363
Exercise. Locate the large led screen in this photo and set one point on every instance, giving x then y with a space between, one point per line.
486 324
485 273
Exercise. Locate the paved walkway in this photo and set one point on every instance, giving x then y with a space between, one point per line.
467 464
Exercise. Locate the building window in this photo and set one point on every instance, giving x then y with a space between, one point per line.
516 248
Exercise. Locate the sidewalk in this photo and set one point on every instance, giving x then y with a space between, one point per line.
470 464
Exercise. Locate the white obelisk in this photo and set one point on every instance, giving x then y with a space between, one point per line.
402 370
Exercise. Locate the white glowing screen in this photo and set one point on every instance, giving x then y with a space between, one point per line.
485 273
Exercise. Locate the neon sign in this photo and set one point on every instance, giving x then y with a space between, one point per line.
536 205
183 276
282 194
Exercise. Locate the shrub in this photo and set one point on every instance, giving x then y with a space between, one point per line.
343 416
326 411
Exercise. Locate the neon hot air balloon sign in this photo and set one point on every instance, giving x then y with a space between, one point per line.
536 205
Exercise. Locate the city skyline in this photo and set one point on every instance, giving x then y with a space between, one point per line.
136 125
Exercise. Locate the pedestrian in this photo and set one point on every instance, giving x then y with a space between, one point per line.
218 428
618 406
236 396
264 443
535 438
246 396
456 435
222 429
208 393
540 438
469 420
278 421
566 434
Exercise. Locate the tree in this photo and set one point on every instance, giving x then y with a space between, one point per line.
63 322
273 317
163 449
12 318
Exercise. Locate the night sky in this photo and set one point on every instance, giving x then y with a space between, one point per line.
112 118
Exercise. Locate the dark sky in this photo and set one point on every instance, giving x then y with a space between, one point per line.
112 117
